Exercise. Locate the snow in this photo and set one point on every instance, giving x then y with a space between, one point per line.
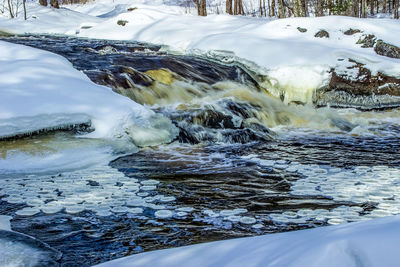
371 243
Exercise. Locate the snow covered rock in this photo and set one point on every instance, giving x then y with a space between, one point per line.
387 50
355 86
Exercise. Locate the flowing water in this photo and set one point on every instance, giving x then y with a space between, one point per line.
244 163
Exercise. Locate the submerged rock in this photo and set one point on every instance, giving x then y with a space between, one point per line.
361 90
387 50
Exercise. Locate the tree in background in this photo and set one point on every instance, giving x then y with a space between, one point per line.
229 9
54 3
201 7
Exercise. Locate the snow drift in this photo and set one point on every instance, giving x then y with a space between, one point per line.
40 90
371 243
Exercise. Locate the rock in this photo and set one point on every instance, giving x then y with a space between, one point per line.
367 40
6 34
164 76
360 90
351 31
92 183
213 119
322 34
300 29
387 50
122 22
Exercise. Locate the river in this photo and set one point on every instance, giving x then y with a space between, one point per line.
244 163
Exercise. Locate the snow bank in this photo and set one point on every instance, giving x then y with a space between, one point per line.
369 243
40 89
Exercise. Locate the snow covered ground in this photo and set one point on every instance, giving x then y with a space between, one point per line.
373 243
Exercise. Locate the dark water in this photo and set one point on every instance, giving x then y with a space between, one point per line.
219 190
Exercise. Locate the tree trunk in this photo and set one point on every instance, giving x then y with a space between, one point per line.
272 8
54 3
264 8
320 8
281 9
10 9
203 8
43 2
396 9
384 6
363 8
372 7
304 5
297 8
229 7
241 9
24 4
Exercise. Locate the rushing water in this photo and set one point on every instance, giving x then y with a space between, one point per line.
244 163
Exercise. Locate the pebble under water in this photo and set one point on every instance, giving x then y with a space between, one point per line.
180 194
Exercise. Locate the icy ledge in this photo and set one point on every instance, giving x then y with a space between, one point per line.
41 91
369 243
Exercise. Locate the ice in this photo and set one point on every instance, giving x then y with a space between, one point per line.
5 222
135 202
168 199
135 210
28 211
247 220
185 209
150 182
148 187
51 208
74 209
163 214
258 226
21 250
25 126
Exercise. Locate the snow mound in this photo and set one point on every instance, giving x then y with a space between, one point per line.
41 91
354 244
